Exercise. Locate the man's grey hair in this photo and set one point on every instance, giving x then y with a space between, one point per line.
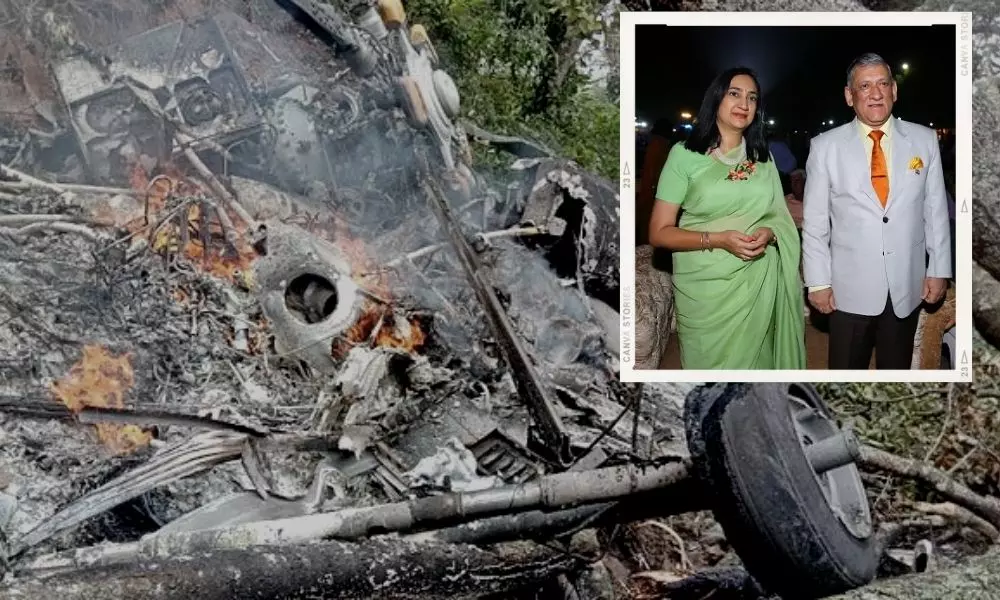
866 60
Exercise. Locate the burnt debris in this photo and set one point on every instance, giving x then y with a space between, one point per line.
249 276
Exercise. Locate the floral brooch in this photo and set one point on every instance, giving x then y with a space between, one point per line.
742 171
916 164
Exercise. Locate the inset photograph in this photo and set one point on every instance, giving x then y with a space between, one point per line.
798 198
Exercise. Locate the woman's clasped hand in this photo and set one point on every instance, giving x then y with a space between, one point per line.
745 246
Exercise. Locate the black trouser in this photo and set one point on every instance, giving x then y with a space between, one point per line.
853 337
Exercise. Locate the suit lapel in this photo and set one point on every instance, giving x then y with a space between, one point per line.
860 162
902 151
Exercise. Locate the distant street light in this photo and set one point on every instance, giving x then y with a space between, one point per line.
685 115
640 124
831 121
770 122
931 124
906 66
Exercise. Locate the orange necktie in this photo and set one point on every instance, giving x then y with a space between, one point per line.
880 176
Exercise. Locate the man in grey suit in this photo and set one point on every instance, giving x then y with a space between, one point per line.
875 235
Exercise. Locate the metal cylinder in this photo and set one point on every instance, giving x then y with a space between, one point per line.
447 93
361 58
833 452
371 22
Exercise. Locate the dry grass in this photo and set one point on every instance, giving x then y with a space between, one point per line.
954 426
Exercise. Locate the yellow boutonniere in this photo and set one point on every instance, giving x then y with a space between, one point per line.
916 164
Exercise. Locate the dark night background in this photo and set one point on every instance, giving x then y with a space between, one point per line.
802 70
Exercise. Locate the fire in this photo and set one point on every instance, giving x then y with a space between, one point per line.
392 331
156 197
338 232
222 262
137 177
180 296
232 263
406 334
99 379
218 260
360 332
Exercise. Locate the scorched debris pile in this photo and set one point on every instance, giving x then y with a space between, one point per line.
249 278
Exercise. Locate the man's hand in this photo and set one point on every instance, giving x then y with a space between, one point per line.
822 300
934 289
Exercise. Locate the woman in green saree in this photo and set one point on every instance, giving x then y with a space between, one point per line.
736 251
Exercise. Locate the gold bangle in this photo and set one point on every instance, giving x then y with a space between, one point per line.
705 242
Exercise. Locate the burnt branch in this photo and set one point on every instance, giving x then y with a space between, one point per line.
330 570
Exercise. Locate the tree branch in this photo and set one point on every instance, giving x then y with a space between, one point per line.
330 570
961 516
988 508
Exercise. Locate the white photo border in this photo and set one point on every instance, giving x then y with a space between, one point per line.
962 372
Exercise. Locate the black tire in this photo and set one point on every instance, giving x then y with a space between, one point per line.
764 493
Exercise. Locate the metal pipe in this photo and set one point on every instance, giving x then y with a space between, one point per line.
833 452
647 491
551 491
679 498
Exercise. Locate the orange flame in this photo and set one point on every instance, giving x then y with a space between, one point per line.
366 272
404 334
364 269
215 260
393 331
137 177
407 335
101 380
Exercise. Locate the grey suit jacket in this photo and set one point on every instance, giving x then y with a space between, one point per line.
865 251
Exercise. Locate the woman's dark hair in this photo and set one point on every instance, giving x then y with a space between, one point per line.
706 133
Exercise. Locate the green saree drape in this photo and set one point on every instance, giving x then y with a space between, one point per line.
734 314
